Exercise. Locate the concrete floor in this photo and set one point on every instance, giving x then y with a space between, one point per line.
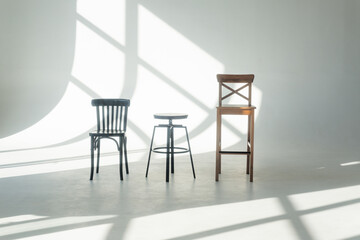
293 197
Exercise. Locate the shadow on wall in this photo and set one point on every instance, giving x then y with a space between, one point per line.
37 51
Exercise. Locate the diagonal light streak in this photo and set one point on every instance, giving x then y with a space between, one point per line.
100 32
153 70
84 87
173 85
187 95
297 223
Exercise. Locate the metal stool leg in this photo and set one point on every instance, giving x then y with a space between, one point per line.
172 148
192 163
168 153
151 144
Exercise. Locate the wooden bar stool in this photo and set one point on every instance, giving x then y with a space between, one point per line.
226 81
170 148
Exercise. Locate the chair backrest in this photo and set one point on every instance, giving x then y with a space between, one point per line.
245 80
111 114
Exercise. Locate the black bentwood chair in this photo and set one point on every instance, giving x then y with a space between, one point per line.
111 115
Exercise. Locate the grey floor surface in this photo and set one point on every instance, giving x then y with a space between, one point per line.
292 197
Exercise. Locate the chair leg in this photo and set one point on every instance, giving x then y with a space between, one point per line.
167 154
125 154
120 158
248 147
98 156
192 163
252 146
172 148
92 157
151 144
218 145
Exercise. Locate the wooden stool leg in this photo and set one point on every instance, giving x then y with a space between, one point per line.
218 145
252 146
248 146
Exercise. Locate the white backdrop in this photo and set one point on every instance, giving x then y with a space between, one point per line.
164 55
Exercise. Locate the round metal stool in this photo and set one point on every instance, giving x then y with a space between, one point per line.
170 149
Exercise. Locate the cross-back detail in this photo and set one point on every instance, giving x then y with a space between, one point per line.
111 114
235 91
246 79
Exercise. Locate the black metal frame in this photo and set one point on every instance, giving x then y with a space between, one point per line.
170 148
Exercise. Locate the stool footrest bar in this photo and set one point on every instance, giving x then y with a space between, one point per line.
234 152
159 150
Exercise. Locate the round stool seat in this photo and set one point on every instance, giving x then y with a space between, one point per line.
170 116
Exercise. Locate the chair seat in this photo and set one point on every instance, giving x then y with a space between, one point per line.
170 116
107 133
236 109
241 106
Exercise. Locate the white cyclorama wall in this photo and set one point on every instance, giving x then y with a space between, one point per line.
164 56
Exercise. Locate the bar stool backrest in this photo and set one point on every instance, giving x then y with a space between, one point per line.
111 114
225 79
